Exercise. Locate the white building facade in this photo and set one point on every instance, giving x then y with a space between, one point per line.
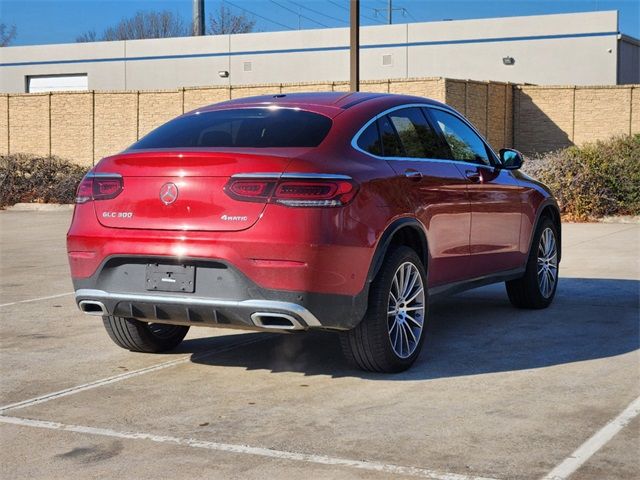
567 49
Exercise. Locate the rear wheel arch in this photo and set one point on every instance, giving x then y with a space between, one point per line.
407 232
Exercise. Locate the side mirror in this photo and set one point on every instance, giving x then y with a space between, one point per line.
510 159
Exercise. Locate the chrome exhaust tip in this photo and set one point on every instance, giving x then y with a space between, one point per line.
93 307
275 321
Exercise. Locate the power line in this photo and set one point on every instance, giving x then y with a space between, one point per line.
389 11
408 12
345 8
299 14
411 15
320 13
258 15
338 5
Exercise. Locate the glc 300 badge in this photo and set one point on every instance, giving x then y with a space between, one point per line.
168 193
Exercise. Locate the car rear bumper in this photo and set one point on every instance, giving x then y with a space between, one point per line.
261 314
223 296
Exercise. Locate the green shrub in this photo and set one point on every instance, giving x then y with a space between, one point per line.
28 178
593 180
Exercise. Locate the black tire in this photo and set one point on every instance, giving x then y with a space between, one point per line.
145 337
526 292
369 345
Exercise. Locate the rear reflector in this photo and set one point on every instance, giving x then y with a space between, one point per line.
316 191
99 186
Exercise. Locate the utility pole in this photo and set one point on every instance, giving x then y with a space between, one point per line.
389 11
354 19
198 17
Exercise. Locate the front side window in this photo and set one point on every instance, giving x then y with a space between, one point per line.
464 143
240 128
416 135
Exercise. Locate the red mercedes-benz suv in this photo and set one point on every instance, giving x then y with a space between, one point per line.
343 212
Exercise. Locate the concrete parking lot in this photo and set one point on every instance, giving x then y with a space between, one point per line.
497 393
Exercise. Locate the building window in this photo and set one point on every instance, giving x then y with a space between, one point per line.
77 82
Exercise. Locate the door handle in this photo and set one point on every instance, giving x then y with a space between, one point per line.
413 174
473 175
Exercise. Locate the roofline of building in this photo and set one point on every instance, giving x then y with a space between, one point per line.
330 28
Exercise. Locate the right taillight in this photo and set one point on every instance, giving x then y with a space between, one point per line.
99 186
294 191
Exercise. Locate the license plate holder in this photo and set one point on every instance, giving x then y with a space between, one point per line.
170 278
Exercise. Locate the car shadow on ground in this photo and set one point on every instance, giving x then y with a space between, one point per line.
472 333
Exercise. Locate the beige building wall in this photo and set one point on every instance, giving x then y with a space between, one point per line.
550 118
30 124
156 108
4 124
197 97
116 122
84 127
72 126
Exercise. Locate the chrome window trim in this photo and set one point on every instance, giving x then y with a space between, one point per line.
451 111
294 176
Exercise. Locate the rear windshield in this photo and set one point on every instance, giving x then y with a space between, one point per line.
244 128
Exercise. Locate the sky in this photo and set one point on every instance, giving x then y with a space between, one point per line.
61 21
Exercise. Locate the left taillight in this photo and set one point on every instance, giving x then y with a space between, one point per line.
294 190
99 186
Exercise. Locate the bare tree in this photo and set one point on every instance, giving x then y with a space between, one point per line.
223 22
88 36
7 34
162 24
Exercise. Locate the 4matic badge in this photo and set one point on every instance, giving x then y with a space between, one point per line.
234 218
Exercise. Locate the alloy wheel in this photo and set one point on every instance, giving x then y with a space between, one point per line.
405 315
547 263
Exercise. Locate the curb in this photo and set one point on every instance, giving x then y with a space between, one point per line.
40 207
622 219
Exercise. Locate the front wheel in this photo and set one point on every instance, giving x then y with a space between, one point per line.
390 336
537 287
138 336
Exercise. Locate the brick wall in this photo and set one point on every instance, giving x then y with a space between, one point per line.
116 122
71 127
549 118
4 124
488 105
30 124
85 127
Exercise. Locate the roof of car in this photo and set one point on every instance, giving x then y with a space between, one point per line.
325 101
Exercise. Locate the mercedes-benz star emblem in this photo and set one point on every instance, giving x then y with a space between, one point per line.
168 193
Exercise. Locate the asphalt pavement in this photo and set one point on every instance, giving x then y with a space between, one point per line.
497 393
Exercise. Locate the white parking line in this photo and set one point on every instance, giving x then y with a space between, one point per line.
595 443
245 449
36 299
124 376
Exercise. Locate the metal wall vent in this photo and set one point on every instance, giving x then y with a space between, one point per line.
247 66
387 60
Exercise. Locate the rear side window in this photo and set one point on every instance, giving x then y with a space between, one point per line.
390 142
369 140
416 135
243 128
